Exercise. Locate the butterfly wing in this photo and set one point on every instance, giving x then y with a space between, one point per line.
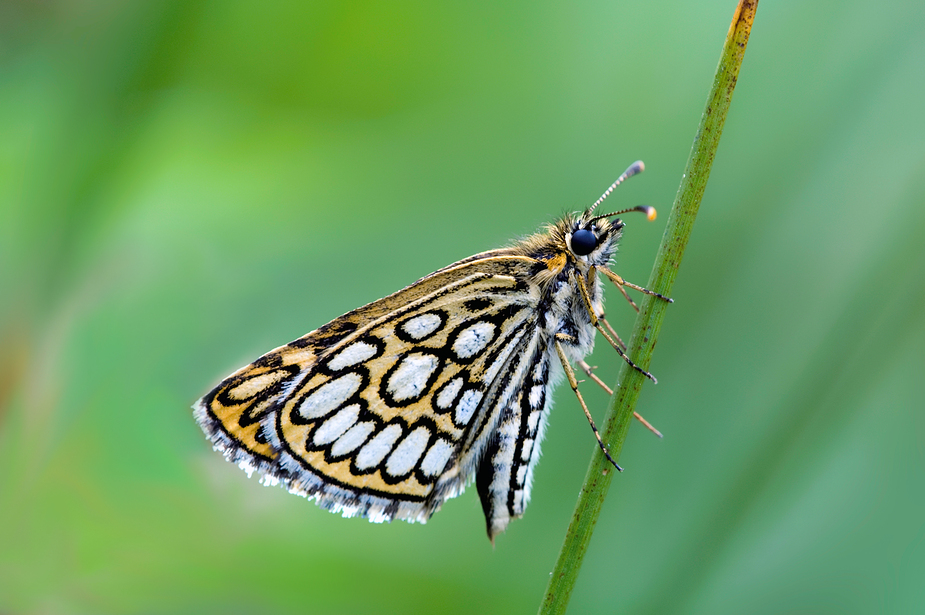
389 410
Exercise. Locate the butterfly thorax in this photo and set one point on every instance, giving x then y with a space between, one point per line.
559 264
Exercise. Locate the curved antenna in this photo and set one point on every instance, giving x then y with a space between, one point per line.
645 209
634 169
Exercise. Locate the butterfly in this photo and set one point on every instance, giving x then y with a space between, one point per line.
390 410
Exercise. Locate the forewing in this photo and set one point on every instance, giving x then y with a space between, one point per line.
384 411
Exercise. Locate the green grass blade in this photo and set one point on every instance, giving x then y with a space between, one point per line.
652 310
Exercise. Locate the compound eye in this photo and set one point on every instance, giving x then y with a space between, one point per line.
583 242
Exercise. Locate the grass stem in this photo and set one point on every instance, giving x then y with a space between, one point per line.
652 311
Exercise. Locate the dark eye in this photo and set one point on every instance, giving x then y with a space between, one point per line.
583 242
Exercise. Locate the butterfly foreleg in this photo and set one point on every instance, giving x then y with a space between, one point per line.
612 332
620 283
583 290
573 382
614 277
590 372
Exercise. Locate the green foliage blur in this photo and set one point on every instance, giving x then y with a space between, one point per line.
185 185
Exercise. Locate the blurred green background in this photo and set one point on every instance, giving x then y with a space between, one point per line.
185 185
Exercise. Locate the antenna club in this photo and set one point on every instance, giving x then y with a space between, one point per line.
639 166
651 214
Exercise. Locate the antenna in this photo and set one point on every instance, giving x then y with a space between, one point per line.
645 209
634 169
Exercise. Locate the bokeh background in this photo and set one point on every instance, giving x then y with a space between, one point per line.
185 185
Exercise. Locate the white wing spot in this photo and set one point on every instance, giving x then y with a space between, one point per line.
536 396
351 355
519 499
410 377
421 326
467 405
473 339
526 450
252 386
436 457
354 437
376 449
449 393
521 474
406 454
532 420
329 396
334 427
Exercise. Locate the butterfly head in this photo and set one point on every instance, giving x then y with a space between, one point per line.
592 241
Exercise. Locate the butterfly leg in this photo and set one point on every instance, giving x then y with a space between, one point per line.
620 283
590 371
573 382
583 288
624 293
612 332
